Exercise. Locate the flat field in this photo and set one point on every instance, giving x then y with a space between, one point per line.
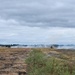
12 60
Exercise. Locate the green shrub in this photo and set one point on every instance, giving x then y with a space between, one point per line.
35 62
39 64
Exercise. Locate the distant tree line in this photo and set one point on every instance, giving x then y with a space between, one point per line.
9 46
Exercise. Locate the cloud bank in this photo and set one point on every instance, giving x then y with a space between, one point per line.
37 21
39 13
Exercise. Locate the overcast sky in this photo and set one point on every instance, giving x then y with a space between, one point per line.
37 21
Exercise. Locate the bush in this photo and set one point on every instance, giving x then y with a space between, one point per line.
35 62
38 64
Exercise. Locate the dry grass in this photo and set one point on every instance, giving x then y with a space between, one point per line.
62 55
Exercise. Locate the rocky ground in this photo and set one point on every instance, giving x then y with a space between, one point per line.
12 61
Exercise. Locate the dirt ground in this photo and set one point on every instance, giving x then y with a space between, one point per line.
12 60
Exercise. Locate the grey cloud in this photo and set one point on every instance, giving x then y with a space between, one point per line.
39 13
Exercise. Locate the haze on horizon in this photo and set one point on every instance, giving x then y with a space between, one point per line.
37 21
